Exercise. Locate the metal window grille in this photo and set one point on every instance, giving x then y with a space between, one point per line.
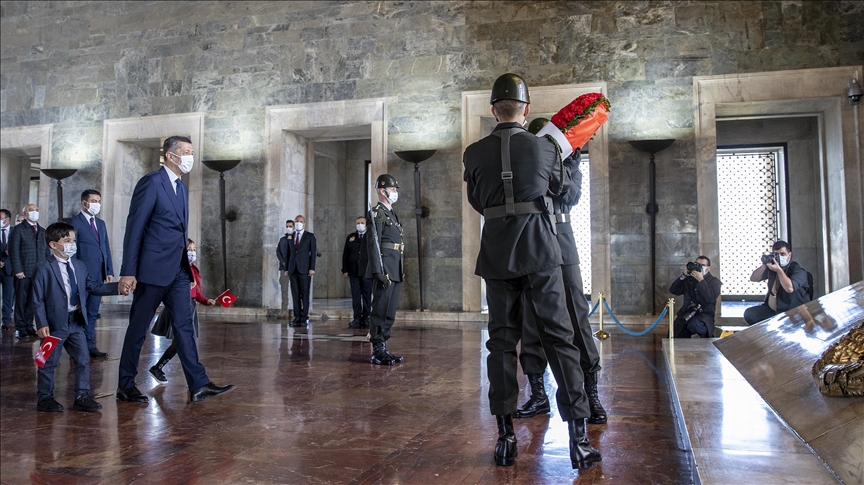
751 203
580 219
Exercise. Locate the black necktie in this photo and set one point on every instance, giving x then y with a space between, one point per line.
72 283
3 236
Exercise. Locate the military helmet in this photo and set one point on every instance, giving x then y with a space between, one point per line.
536 125
510 86
386 180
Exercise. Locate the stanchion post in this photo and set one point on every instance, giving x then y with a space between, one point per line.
671 306
601 334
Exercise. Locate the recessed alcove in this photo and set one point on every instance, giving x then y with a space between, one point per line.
21 150
290 169
477 122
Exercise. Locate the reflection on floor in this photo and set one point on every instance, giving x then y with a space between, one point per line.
313 411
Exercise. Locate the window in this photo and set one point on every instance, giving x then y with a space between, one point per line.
752 201
580 219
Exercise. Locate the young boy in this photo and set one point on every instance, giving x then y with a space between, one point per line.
60 289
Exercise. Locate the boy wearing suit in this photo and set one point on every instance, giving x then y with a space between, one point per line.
60 289
95 253
301 267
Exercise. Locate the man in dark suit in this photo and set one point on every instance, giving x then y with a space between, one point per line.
95 253
60 289
355 258
27 248
156 267
509 174
284 251
386 268
301 267
7 280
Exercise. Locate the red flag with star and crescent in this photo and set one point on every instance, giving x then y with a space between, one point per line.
226 299
48 344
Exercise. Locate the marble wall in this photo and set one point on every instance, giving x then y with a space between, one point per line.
74 65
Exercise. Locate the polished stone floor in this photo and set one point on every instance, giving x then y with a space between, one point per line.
309 409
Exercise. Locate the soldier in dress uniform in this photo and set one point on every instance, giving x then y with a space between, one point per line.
532 357
386 266
509 174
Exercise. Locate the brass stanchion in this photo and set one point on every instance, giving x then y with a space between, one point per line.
671 306
601 334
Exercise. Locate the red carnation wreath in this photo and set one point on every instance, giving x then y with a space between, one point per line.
580 119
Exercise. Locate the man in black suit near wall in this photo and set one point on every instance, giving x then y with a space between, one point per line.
355 258
301 267
7 280
284 250
27 248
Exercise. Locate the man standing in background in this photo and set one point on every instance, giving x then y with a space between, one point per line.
355 258
7 280
95 253
283 254
301 267
27 248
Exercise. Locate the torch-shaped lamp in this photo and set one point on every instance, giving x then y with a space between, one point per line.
415 157
652 147
59 174
223 166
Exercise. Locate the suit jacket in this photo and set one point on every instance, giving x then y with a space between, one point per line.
4 254
49 293
95 253
355 255
518 245
800 294
703 292
27 249
154 246
284 251
389 233
302 258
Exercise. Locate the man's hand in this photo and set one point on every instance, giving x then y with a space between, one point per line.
127 284
109 278
697 275
211 302
311 272
20 276
193 284
43 332
345 275
773 266
2 264
383 278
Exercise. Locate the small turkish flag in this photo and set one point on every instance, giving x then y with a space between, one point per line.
45 350
226 299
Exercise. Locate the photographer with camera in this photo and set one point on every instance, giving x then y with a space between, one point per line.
700 289
788 284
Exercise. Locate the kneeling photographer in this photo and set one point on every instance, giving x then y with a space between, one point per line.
700 289
788 284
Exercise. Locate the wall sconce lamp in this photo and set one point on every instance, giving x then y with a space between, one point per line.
59 174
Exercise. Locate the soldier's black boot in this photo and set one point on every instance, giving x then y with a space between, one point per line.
538 403
395 358
582 454
598 414
379 355
505 448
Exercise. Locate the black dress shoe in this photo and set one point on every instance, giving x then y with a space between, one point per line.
86 403
294 324
355 324
98 354
131 395
49 405
208 390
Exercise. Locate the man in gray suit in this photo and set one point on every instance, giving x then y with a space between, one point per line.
27 248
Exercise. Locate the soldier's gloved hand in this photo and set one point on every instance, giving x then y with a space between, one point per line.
383 278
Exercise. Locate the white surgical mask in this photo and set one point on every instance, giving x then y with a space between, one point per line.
392 197
69 249
289 230
3 223
192 255
93 208
298 226
784 260
704 270
361 228
33 216
186 162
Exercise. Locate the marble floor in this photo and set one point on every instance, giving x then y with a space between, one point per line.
309 409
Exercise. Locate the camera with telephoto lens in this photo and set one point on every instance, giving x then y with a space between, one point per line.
694 267
769 258
692 310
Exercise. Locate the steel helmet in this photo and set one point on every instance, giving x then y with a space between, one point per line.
536 125
386 180
510 86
